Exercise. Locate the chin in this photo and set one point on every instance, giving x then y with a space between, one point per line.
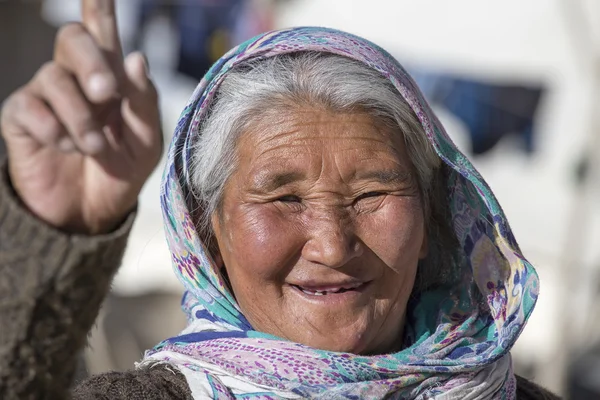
348 340
339 343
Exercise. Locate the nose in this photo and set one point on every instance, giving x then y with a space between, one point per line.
332 241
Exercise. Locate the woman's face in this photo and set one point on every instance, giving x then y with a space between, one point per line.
320 230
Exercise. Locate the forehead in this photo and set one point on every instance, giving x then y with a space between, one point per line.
311 130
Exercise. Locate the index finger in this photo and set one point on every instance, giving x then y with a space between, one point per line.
100 19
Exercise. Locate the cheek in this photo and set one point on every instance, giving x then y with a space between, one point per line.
260 243
396 232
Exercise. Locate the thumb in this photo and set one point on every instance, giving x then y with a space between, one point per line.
140 103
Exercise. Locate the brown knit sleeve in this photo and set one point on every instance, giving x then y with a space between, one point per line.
51 288
158 382
527 390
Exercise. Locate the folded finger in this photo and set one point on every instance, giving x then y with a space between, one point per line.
28 115
60 90
77 52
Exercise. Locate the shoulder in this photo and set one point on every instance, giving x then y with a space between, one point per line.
158 382
527 390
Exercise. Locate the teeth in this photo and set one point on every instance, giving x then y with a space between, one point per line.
325 292
315 293
322 293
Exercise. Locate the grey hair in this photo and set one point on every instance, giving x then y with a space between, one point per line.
260 87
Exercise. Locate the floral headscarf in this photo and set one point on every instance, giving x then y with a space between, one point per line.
459 348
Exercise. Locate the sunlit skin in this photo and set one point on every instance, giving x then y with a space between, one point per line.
320 201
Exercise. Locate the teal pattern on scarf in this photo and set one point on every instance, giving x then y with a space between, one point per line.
454 337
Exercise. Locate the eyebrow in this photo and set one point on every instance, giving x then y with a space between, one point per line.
386 176
270 182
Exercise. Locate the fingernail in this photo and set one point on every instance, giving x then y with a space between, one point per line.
93 142
65 144
102 86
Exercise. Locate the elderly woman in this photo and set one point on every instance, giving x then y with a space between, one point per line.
332 241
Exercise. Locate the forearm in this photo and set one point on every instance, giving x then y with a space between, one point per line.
51 287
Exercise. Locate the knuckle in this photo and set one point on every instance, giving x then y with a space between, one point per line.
23 101
48 71
6 111
10 104
78 119
19 102
22 110
50 128
67 32
53 75
53 129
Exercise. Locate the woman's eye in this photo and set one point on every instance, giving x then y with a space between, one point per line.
290 198
369 194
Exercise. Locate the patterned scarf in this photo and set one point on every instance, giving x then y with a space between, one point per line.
459 348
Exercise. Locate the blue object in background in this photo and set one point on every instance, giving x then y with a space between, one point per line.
204 27
490 111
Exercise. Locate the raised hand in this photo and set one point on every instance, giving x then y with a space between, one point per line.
84 134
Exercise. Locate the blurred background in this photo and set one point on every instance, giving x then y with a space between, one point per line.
517 85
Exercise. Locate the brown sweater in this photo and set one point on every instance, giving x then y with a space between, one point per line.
51 287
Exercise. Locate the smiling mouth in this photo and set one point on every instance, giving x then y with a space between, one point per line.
331 290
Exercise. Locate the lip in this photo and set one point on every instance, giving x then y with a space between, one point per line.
328 286
344 297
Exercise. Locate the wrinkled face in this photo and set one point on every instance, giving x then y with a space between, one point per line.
320 230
